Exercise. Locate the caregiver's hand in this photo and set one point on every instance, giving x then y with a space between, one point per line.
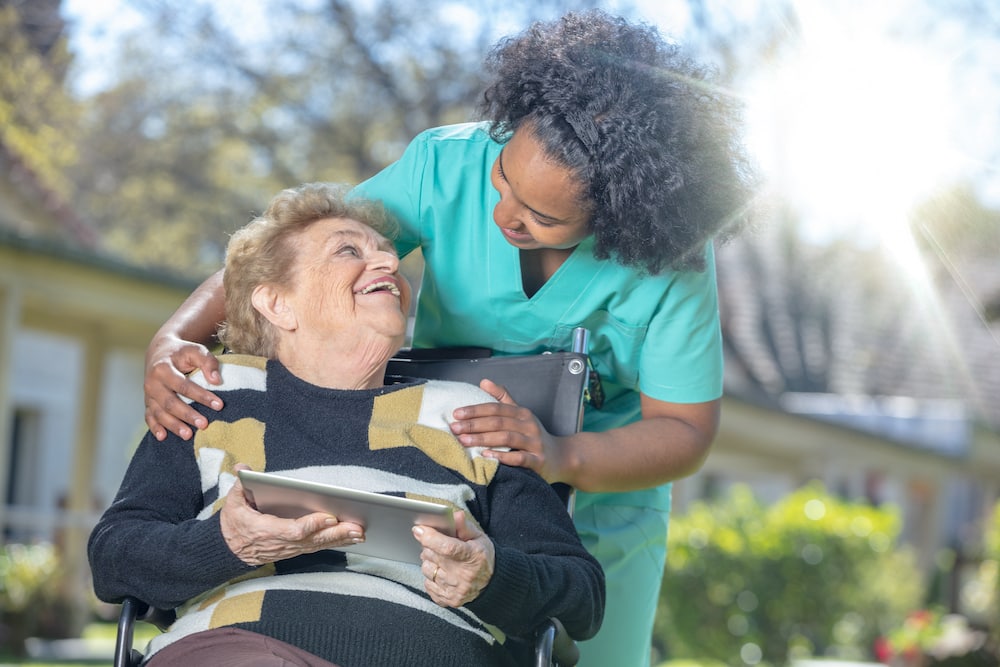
168 359
506 424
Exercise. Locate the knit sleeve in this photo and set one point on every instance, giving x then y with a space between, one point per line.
541 565
148 543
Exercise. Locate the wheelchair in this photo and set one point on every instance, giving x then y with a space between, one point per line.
553 385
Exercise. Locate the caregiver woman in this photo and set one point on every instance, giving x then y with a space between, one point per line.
591 198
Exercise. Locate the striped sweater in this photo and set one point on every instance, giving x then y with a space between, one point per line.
161 541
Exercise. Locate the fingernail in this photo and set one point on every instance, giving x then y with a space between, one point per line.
355 535
418 531
357 540
216 405
459 413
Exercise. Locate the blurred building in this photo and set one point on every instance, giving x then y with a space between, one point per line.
74 324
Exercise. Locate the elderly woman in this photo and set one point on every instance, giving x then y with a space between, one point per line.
315 309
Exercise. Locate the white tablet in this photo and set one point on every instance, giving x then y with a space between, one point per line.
387 520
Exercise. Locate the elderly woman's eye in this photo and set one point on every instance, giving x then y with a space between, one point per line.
349 250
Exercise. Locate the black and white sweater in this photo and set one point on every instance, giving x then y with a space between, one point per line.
160 540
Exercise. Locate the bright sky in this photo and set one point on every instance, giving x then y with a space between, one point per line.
97 25
94 28
860 122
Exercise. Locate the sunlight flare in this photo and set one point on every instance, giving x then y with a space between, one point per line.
852 128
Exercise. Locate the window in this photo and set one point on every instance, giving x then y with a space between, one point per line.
22 475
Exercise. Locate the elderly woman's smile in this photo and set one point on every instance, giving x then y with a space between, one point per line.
384 285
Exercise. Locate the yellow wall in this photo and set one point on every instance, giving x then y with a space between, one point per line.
104 305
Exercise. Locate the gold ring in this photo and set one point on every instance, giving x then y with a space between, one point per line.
436 569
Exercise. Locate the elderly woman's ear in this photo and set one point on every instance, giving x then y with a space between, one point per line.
271 303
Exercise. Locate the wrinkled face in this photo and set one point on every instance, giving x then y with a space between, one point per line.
539 204
346 282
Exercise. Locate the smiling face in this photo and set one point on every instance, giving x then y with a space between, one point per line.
346 280
539 204
345 303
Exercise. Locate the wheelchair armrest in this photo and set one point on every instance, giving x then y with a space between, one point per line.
554 646
131 610
161 618
134 610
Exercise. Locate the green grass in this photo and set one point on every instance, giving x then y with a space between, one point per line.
13 662
98 633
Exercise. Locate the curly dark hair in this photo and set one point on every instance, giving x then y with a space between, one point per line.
638 122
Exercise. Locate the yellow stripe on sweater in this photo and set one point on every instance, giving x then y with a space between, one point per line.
395 423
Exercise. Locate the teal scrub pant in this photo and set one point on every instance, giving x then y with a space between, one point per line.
631 545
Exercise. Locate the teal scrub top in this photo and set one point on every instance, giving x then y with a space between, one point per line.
656 334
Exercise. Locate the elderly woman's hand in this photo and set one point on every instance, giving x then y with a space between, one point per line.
258 538
457 568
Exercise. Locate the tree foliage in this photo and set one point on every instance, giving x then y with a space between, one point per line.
204 122
37 116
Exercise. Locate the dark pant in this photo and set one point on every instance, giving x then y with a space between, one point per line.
233 647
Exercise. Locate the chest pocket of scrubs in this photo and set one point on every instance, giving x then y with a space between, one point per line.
614 349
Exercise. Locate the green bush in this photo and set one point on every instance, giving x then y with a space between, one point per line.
28 576
808 576
981 595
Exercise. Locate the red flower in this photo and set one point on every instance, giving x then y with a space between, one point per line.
883 650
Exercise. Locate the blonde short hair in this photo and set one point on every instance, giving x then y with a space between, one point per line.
263 252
